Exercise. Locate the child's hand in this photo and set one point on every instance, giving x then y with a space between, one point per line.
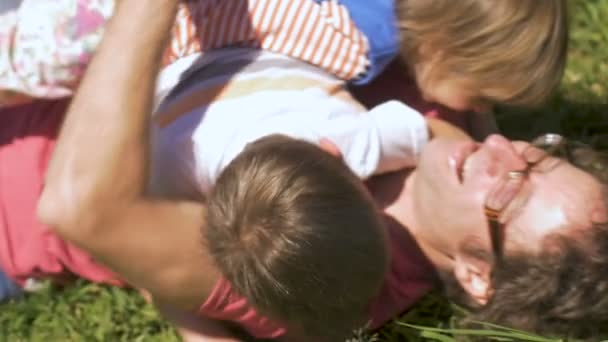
441 128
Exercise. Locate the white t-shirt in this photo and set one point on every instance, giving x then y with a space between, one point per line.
231 97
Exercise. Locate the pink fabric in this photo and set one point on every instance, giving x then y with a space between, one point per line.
27 247
224 304
409 278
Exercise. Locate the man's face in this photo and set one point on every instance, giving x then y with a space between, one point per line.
454 178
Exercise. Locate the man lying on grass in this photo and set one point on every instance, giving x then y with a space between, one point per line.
543 214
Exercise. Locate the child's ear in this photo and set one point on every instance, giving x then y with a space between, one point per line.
430 52
426 51
329 147
473 274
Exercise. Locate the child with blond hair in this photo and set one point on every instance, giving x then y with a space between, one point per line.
473 54
459 59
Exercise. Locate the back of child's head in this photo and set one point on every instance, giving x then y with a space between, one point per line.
296 233
512 51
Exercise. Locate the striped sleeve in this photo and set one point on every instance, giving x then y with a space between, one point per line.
321 34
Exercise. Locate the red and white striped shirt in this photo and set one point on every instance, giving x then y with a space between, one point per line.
318 33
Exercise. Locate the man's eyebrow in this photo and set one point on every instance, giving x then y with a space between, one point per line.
552 163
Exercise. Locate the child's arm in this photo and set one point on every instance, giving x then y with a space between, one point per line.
387 138
120 225
46 46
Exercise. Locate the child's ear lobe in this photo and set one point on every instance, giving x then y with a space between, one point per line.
430 52
426 51
473 275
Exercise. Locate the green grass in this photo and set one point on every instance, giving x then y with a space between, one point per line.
89 312
580 109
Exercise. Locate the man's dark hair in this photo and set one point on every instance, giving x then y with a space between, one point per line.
562 291
296 233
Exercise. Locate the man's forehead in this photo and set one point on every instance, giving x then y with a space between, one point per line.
562 198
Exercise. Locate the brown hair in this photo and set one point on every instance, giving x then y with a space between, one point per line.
563 291
297 234
513 51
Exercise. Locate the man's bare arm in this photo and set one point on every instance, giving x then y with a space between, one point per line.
94 195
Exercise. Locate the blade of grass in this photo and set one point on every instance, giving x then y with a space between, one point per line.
519 336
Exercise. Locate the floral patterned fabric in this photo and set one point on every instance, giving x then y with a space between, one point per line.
44 51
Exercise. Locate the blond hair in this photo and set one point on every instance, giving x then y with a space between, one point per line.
513 51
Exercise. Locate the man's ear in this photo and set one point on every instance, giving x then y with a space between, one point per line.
474 275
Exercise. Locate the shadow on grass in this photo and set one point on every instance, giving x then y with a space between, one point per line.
586 121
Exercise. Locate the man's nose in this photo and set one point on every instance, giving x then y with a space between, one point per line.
503 150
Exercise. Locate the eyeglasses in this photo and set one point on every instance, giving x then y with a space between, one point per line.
507 197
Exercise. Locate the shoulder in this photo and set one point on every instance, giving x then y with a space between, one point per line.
225 304
409 278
